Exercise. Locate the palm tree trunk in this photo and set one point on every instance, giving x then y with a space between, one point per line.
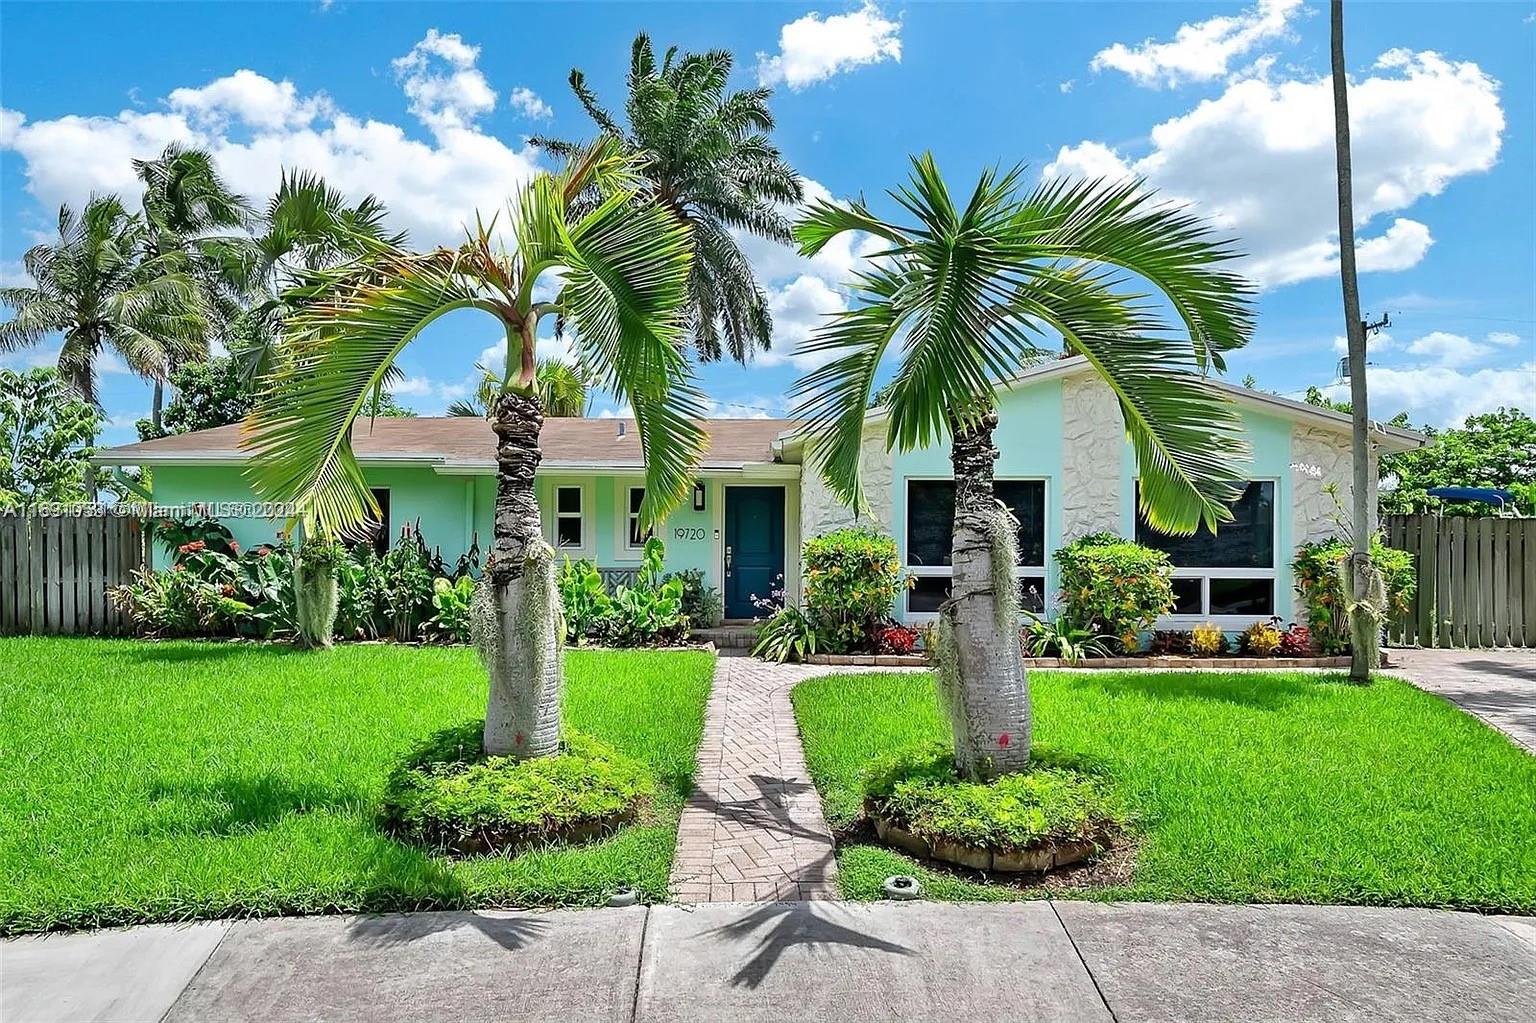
519 629
157 405
981 671
1364 627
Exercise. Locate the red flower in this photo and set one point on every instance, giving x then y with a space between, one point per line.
234 547
193 547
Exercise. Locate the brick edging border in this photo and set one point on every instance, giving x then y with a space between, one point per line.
917 661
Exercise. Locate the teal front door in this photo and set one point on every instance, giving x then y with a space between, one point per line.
754 547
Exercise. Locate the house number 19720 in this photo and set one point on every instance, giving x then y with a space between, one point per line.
687 533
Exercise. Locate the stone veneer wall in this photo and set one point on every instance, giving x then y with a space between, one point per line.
1319 457
1092 439
820 509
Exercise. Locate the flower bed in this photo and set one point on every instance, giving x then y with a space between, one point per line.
1146 661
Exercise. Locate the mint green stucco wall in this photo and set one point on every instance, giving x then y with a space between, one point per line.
1028 440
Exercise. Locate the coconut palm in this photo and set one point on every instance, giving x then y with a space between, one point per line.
624 273
188 214
971 292
562 392
706 156
307 225
93 287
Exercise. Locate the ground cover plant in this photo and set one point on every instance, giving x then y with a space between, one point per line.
174 780
1244 787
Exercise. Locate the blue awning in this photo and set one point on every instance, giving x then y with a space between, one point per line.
1487 495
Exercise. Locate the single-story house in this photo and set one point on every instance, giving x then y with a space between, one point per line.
1065 469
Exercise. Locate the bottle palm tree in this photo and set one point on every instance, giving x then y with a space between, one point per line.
707 157
188 214
93 287
562 392
970 292
624 275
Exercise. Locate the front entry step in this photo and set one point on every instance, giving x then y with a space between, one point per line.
735 637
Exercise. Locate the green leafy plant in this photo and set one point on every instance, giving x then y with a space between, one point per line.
407 576
585 598
1316 570
1261 639
193 533
452 601
1114 587
178 603
1063 638
702 603
1051 801
264 576
362 607
646 615
1207 640
787 636
449 795
852 580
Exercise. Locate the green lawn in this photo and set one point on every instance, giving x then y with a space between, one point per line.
165 781
1276 787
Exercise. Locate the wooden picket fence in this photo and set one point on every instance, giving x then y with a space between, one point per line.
55 571
1477 581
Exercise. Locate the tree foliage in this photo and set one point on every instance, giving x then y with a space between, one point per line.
47 435
209 393
706 156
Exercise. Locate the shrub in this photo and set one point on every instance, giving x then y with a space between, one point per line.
788 636
1316 568
407 577
701 603
852 580
645 615
1051 802
1296 642
1062 638
178 603
264 578
449 795
1114 587
1207 640
362 606
897 639
197 532
1261 639
1169 643
452 601
585 598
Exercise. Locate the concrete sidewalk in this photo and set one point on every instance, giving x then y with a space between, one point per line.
793 961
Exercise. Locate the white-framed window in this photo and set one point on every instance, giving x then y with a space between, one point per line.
1229 573
570 527
634 536
929 540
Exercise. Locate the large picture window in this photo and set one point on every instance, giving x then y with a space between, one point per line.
930 538
1230 571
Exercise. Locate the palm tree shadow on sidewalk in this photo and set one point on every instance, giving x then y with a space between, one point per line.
510 932
794 923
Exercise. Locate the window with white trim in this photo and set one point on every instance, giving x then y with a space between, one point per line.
570 525
930 540
634 536
1230 572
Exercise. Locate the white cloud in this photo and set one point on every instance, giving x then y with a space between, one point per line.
813 48
1503 338
14 275
798 309
1202 50
1442 396
440 79
526 101
1066 86
1258 160
1449 350
1374 343
254 127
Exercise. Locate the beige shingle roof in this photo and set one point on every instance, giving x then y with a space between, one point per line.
467 441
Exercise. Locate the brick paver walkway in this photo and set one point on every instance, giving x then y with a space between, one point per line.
753 830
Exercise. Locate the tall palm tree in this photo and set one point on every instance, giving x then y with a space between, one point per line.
562 392
624 270
1362 579
707 157
307 225
969 292
93 287
189 213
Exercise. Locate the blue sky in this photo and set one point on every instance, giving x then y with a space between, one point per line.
1221 105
